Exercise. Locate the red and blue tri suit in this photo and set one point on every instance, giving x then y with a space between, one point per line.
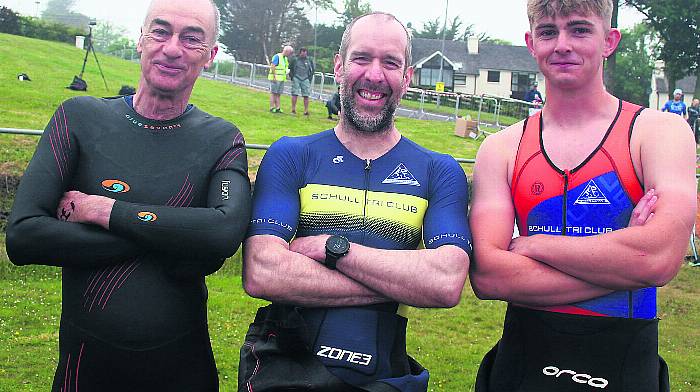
596 197
609 342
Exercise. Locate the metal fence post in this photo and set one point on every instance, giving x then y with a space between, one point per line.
323 83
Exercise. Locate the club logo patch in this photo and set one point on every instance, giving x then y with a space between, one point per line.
537 188
147 216
401 176
592 195
338 159
115 186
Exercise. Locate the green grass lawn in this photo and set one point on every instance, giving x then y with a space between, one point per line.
450 343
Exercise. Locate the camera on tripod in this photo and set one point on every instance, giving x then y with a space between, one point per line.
79 84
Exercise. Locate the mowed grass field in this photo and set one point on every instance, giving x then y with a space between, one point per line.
449 342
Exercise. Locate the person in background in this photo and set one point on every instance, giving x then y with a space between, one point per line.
333 104
301 71
676 105
277 75
694 117
534 95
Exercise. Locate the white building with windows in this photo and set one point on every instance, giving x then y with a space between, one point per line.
475 67
659 87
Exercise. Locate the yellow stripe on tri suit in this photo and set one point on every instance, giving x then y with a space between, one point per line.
390 215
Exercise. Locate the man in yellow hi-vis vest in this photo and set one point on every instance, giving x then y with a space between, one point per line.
279 68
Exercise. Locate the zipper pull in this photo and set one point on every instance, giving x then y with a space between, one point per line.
566 177
368 164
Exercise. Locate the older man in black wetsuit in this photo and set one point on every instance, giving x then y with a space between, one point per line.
151 195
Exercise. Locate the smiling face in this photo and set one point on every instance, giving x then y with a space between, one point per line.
570 49
374 75
176 43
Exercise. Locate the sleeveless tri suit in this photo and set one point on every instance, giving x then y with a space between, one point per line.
607 343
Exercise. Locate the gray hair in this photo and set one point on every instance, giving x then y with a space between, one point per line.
345 42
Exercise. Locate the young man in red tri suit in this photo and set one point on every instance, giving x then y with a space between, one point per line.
604 208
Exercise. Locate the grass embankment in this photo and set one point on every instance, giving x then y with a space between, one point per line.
52 66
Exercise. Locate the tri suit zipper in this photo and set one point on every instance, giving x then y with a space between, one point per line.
368 167
565 201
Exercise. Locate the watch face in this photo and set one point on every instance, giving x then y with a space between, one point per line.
337 244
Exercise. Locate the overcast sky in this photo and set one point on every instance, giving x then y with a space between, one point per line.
505 19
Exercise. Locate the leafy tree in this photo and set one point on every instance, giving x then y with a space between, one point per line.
635 63
9 21
677 23
59 11
257 29
497 41
329 36
351 10
454 31
107 37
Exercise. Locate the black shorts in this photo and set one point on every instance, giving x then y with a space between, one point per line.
290 349
90 364
556 352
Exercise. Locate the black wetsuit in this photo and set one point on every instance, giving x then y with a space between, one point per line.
134 298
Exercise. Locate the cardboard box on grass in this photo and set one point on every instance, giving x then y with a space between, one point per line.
465 127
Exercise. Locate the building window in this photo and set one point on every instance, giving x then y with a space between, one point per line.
494 77
430 76
521 83
460 80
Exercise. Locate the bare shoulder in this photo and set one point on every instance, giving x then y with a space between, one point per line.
653 123
497 153
504 143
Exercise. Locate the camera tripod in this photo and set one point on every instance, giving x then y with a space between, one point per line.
78 82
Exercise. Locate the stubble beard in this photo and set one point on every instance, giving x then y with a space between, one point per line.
369 124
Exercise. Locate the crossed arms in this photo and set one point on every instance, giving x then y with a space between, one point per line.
544 270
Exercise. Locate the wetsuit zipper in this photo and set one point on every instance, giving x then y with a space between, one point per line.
368 167
563 207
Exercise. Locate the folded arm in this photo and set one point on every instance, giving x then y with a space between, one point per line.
639 256
34 233
274 272
496 272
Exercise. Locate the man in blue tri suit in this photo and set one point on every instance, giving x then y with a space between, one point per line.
355 202
676 105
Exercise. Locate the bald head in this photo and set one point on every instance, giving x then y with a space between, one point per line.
206 8
287 50
375 18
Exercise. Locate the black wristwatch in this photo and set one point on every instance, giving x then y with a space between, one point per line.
337 246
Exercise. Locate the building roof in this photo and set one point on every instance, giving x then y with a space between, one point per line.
490 56
687 84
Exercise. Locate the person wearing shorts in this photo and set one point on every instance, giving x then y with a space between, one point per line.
279 70
604 210
137 198
301 70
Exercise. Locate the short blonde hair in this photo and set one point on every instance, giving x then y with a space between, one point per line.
537 9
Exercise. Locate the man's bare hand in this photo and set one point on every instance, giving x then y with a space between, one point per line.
644 209
313 247
79 207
